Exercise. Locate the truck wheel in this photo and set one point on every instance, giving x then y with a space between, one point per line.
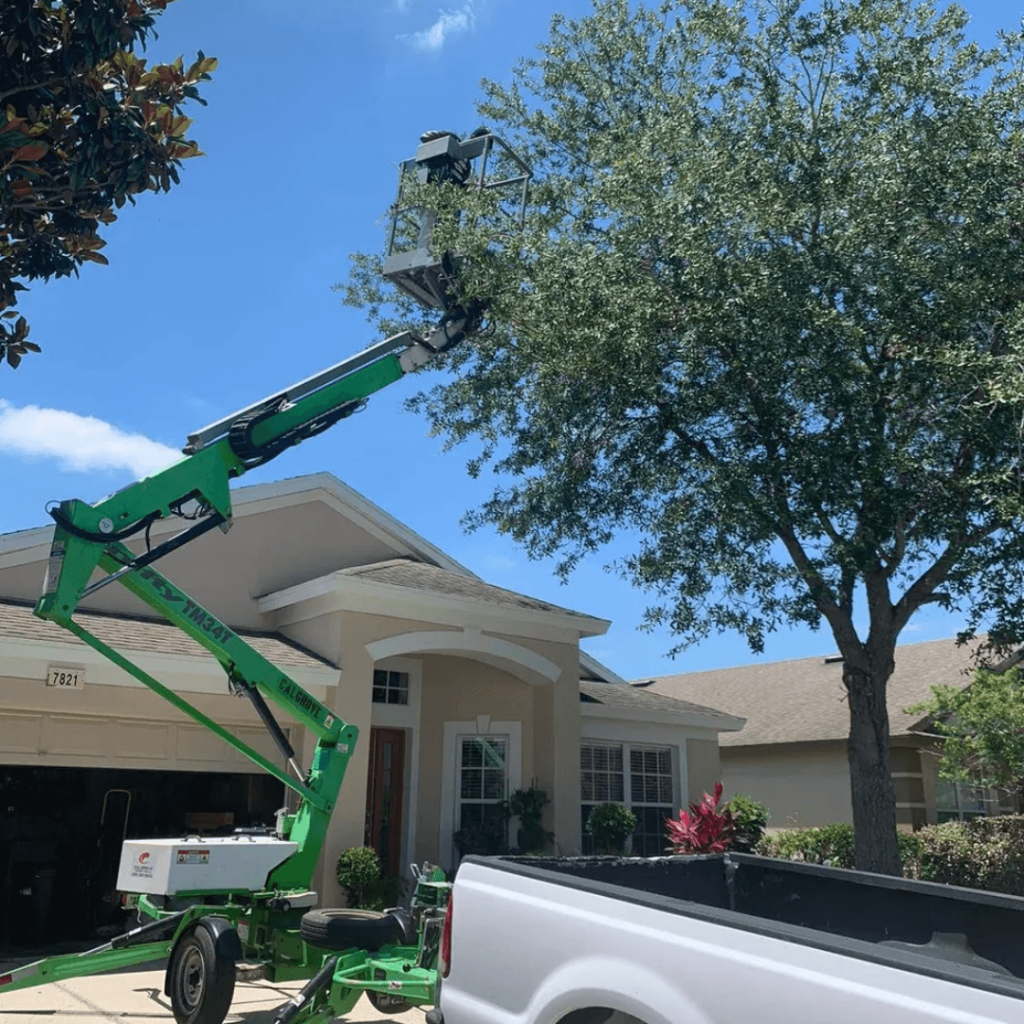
200 982
350 929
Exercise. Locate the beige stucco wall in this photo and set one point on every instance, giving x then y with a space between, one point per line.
800 784
453 689
557 745
458 690
703 767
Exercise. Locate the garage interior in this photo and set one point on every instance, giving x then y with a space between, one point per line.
61 831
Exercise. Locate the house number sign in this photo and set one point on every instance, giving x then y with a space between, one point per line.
64 677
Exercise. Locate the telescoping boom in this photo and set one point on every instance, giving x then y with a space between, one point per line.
261 923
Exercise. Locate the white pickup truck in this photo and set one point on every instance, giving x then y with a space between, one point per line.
728 939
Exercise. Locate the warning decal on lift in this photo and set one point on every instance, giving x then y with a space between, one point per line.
193 856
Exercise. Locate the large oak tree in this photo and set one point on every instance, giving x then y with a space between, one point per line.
85 125
765 316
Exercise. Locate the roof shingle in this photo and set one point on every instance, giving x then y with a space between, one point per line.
153 636
617 695
404 572
804 700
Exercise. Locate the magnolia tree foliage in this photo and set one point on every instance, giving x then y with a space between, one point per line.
85 125
982 729
765 317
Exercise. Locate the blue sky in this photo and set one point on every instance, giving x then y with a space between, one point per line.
219 292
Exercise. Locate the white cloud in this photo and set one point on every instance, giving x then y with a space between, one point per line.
80 443
449 23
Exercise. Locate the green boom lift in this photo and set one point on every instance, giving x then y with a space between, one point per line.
223 905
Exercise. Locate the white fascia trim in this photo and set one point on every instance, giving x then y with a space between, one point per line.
352 505
691 718
590 664
23 545
27 659
335 592
466 641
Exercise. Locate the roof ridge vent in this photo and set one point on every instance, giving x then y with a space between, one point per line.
648 682
831 659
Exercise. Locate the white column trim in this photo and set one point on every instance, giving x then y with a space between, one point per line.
452 730
518 660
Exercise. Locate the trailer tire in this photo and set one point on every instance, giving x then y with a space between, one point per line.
201 980
384 1002
350 929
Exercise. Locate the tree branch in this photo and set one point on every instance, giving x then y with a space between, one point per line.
29 88
841 623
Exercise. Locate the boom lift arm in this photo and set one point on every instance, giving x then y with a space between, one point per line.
88 537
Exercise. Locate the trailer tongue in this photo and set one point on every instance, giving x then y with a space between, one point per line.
211 905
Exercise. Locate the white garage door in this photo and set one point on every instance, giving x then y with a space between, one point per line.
60 740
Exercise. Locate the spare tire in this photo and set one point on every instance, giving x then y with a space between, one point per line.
350 929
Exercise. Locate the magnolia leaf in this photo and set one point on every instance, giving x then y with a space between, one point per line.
32 151
84 117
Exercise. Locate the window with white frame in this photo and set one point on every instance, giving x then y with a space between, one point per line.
390 687
637 775
957 801
482 780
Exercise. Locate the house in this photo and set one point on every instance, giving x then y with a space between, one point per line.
434 665
791 754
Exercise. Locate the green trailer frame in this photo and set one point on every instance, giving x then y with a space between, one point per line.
90 549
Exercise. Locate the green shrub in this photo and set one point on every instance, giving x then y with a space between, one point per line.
611 824
750 819
359 874
829 844
984 853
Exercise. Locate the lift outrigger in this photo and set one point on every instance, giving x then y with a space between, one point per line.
218 906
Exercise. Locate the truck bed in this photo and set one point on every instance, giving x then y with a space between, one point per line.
722 940
875 917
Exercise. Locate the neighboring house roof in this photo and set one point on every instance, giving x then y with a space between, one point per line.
634 700
150 635
805 700
403 572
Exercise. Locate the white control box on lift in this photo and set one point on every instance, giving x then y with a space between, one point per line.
164 867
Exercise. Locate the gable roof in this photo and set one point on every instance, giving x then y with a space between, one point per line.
292 491
154 636
404 572
805 700
406 543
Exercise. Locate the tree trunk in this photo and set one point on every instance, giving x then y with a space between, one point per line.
874 798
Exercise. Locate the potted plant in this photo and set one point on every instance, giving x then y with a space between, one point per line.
528 806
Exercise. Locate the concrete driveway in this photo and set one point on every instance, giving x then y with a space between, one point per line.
137 997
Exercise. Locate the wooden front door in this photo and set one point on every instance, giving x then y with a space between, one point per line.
384 794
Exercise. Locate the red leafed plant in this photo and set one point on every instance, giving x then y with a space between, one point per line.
703 828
